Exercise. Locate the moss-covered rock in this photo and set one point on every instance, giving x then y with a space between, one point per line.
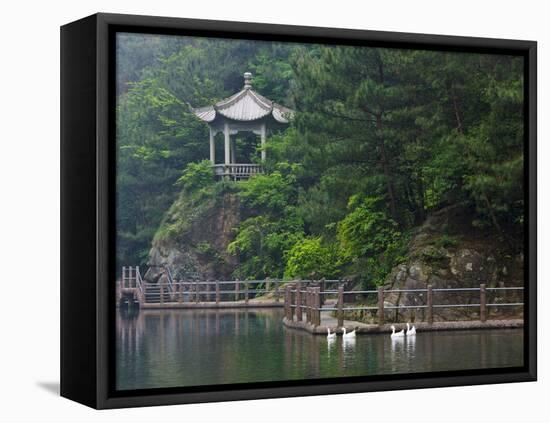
194 236
447 252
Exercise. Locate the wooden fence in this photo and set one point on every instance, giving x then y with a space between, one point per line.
308 302
169 291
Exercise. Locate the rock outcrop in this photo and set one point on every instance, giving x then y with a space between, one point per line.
446 252
194 237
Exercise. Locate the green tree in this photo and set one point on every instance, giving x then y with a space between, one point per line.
366 231
309 258
262 241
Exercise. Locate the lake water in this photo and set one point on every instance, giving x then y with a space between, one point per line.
176 348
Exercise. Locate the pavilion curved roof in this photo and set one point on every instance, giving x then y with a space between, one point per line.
245 106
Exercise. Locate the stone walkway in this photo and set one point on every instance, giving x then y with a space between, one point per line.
331 322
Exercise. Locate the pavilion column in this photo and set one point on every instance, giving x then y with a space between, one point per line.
226 143
233 150
212 148
262 134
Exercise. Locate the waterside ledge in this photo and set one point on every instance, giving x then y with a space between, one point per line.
363 328
211 305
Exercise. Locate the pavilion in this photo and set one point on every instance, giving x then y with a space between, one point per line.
245 111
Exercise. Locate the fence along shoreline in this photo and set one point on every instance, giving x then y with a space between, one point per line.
313 297
169 293
313 315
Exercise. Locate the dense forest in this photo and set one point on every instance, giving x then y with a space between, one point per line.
380 139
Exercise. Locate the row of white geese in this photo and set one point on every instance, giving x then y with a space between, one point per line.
346 335
411 331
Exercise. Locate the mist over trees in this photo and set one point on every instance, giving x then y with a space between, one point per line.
380 139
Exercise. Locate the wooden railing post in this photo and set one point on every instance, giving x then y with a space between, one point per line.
236 291
292 301
340 311
317 306
180 293
308 304
287 302
322 288
311 305
277 291
137 272
161 294
197 290
380 305
267 286
299 301
217 292
430 304
246 285
208 292
129 277
482 303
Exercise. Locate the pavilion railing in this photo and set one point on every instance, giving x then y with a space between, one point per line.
237 170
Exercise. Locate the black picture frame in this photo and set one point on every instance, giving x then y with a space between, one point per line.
87 210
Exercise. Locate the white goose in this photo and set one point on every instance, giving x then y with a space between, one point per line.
348 335
395 334
411 331
330 335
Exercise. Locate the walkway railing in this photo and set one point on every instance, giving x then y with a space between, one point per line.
169 291
129 277
300 302
219 291
170 284
304 300
131 284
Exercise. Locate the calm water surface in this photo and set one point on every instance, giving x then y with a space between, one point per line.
174 348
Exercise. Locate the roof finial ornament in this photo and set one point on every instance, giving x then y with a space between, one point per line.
247 80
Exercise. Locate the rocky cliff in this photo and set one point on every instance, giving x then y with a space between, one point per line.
193 239
447 252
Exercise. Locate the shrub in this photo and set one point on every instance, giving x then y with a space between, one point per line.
197 176
309 258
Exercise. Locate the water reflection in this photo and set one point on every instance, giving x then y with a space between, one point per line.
331 344
410 345
164 348
348 349
348 344
397 344
397 348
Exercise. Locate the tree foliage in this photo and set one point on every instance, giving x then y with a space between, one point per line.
310 258
263 240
